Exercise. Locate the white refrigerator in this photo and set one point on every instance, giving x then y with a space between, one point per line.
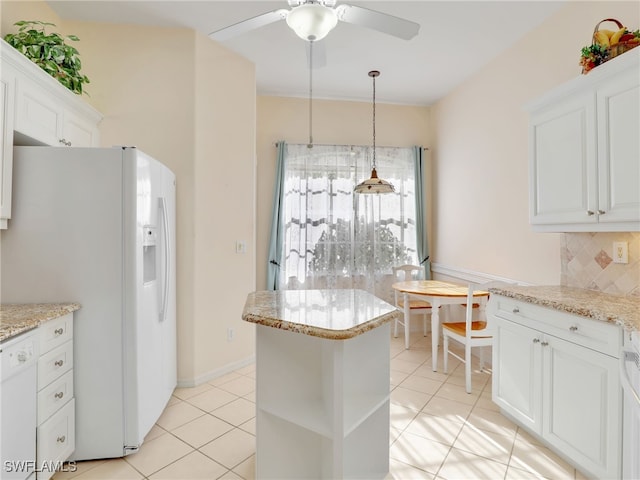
97 226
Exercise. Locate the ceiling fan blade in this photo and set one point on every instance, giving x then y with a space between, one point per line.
383 22
317 58
249 24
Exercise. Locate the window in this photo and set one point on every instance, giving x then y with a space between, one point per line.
333 238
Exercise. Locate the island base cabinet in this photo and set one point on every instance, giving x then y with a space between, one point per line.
322 405
560 390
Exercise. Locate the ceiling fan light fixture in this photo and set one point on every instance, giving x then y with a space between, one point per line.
312 21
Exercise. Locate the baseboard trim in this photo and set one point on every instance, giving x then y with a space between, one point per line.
471 275
218 372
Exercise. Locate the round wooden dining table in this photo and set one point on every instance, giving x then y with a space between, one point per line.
437 293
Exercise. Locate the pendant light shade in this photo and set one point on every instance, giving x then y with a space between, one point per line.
374 184
312 21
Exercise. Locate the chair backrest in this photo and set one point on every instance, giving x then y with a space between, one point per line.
474 287
405 272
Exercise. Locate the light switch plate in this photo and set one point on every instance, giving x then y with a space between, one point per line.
620 252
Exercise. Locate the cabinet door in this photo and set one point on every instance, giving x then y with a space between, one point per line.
619 149
77 132
517 378
6 144
582 406
563 162
37 115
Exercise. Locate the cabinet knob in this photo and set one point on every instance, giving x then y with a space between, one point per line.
58 331
544 344
573 328
59 395
536 340
58 363
61 439
590 212
601 212
516 310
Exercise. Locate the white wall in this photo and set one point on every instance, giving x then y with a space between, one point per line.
480 150
189 102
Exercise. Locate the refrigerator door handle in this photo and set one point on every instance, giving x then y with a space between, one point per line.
167 258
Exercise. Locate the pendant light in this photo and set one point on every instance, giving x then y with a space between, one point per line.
374 184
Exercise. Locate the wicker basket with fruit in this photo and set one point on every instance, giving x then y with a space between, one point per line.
607 44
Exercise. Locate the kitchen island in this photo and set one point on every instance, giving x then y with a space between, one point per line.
322 383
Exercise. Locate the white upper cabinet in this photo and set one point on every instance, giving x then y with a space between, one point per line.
37 110
584 151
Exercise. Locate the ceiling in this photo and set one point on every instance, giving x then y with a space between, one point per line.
456 39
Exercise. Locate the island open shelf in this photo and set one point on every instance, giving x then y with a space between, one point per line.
322 383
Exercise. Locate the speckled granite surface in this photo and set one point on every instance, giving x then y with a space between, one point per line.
18 318
332 314
621 310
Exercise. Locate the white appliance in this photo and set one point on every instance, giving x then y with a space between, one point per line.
97 226
18 360
630 380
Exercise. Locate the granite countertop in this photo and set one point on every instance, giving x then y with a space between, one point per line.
619 310
332 314
16 318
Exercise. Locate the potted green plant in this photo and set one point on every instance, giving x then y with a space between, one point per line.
50 52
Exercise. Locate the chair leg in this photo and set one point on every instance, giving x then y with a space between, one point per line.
395 329
424 324
482 359
445 352
467 366
407 330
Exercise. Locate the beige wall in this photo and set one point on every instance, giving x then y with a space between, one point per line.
480 154
335 123
190 103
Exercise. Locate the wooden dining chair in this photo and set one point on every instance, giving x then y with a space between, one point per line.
470 333
417 306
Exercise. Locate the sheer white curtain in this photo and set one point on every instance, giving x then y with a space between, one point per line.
333 238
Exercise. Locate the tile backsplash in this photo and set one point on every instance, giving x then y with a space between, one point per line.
587 262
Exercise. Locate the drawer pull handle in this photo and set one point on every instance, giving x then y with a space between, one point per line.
59 395
516 310
58 363
544 344
573 328
61 439
536 340
58 331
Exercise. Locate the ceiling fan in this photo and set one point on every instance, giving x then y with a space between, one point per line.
312 20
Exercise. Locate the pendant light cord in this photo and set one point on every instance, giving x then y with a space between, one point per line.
373 74
374 121
310 144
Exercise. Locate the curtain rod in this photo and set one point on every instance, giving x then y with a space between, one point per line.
350 145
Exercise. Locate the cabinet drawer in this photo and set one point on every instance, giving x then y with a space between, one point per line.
56 439
594 334
53 364
54 396
55 332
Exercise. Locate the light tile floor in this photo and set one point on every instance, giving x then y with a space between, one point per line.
438 431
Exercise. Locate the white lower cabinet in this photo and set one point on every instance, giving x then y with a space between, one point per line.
55 434
556 374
